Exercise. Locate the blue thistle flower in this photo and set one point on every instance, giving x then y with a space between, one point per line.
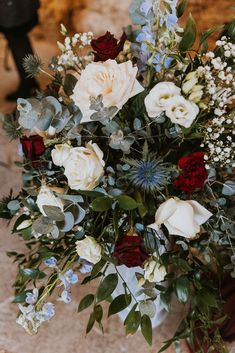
149 175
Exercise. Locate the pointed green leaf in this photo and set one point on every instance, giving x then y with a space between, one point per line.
107 287
181 8
146 329
90 323
86 302
119 303
189 35
182 289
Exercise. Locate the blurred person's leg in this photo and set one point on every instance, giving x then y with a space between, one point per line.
20 46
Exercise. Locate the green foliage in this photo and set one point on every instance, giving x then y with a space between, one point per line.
189 35
182 289
127 203
86 302
101 204
119 303
106 287
181 8
146 329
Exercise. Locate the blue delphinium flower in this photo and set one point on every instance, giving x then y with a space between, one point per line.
86 267
65 296
171 21
51 262
159 61
32 297
67 279
146 6
149 175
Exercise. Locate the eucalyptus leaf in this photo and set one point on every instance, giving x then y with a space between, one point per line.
67 224
229 188
53 213
13 205
43 225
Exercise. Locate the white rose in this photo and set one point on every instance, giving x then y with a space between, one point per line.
84 167
154 271
47 198
181 111
115 82
157 100
60 154
181 218
88 249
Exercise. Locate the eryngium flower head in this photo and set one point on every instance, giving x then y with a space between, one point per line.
149 175
32 65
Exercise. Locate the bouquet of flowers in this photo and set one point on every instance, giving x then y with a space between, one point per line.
127 166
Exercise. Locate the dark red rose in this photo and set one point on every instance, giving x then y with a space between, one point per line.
107 46
129 251
193 173
33 146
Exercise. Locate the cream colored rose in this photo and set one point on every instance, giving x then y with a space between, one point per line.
47 198
181 218
60 154
181 111
157 100
84 167
88 249
115 82
154 271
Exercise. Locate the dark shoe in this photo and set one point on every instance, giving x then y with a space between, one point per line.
22 92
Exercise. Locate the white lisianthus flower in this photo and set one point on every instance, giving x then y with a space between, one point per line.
60 154
89 250
181 218
84 167
154 271
157 100
47 198
115 82
181 111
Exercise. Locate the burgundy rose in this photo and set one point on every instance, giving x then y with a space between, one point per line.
107 46
33 146
129 251
193 173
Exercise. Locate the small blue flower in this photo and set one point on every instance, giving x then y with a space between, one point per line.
171 21
71 276
32 297
65 297
86 268
146 6
68 278
146 35
51 262
149 175
48 311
